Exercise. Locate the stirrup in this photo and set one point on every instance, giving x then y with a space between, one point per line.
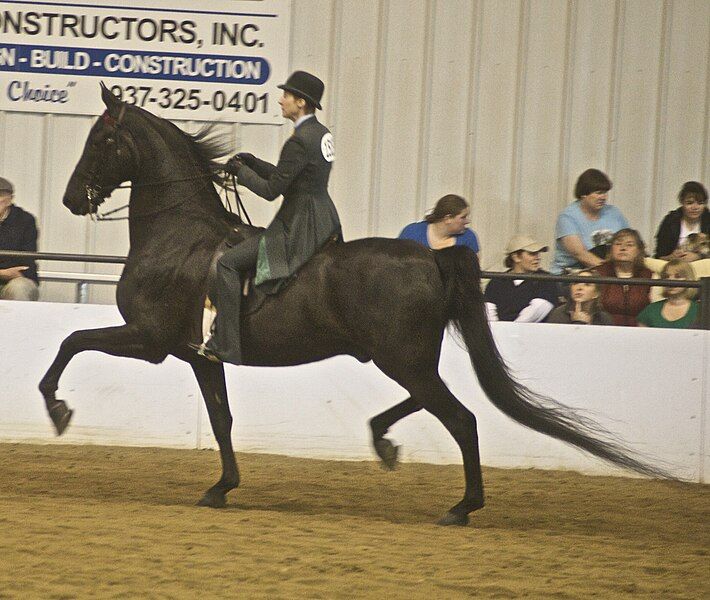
202 350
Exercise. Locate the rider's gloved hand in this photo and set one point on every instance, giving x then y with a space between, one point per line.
233 164
247 158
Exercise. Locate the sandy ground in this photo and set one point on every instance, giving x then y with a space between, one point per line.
107 522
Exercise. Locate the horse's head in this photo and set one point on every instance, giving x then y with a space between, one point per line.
109 157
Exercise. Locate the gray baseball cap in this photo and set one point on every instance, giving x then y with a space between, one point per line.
6 186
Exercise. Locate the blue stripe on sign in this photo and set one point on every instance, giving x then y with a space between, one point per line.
144 8
135 64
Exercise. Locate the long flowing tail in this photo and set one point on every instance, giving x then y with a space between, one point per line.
466 310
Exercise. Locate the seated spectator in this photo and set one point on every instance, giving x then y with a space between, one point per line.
678 233
585 227
625 260
445 225
18 278
582 306
678 310
524 301
701 268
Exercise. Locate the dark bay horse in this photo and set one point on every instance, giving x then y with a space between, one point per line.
383 300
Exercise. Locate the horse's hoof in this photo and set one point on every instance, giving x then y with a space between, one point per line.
213 500
388 453
453 519
60 415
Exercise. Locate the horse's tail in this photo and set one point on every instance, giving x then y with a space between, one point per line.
466 311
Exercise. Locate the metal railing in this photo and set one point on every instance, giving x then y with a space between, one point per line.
83 279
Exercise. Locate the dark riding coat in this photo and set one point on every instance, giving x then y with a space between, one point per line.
307 217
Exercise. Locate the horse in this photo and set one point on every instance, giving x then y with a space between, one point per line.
381 300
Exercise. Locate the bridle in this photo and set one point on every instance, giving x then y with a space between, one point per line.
96 193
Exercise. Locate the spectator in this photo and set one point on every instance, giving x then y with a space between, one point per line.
524 301
678 310
675 233
625 260
584 228
700 267
582 306
444 226
18 278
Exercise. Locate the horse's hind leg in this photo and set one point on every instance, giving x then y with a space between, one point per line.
125 340
430 392
380 424
210 377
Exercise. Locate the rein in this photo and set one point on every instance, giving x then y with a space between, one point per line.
241 209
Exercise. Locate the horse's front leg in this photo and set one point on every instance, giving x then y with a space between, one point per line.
124 340
210 377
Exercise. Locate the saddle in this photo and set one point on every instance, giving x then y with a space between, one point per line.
252 297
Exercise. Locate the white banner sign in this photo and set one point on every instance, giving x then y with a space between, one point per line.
171 57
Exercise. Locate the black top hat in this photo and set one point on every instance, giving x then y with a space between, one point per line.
306 86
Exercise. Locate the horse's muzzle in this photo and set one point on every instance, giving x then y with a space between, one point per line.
78 206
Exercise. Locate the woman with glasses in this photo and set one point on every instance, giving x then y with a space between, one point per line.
692 217
584 228
625 260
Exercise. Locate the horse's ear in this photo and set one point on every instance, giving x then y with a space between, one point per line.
111 101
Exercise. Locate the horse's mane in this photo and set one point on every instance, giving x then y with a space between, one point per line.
207 144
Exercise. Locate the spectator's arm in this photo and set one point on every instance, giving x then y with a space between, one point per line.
573 244
535 312
491 311
29 237
11 273
666 239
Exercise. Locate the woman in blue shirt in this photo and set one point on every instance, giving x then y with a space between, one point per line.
444 226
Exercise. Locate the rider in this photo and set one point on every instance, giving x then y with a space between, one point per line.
306 220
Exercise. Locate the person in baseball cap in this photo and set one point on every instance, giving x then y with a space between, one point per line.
521 300
18 232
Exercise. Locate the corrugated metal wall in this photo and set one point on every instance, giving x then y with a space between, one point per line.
502 101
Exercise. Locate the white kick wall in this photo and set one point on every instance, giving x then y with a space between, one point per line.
502 101
650 386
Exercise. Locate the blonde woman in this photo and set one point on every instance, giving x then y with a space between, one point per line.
678 310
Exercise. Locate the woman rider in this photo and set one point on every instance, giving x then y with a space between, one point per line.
306 220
